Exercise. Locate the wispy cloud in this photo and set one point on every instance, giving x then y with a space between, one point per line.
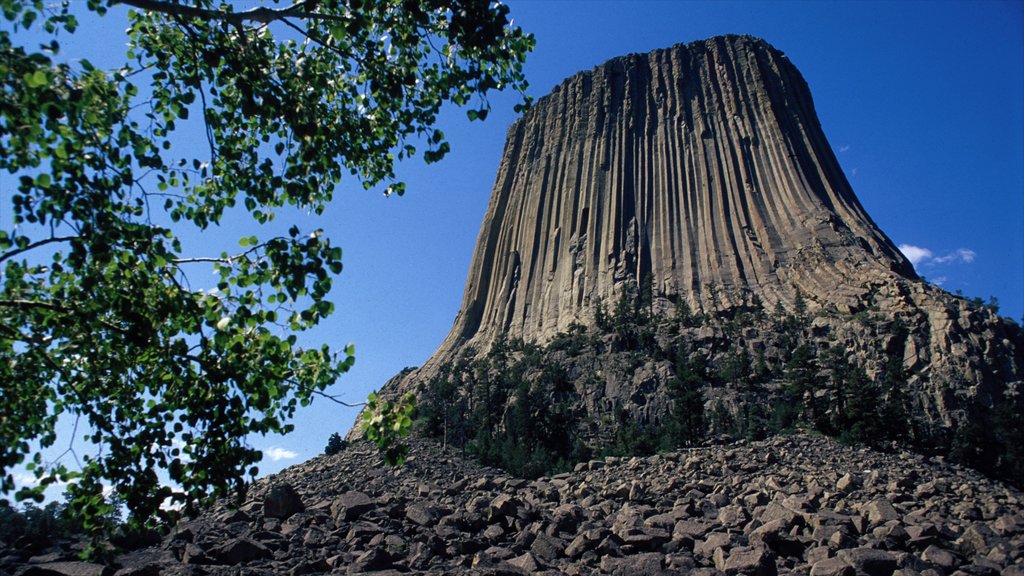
915 254
965 255
277 454
920 256
844 148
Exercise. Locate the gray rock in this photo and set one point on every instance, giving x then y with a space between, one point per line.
547 548
371 560
748 561
776 536
525 562
350 505
880 511
832 567
634 565
831 536
846 483
281 502
194 554
939 558
978 539
422 513
503 506
870 561
776 511
66 569
239 551
712 542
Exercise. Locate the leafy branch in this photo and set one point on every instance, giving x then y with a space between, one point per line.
97 315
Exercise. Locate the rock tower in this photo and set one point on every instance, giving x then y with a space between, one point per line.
702 166
698 178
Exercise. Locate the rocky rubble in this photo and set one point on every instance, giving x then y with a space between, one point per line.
788 505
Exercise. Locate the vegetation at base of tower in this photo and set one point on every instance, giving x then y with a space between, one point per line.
385 423
508 409
109 321
517 407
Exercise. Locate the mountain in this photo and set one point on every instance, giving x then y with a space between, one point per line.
671 235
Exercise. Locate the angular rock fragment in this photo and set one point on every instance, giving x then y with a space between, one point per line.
281 502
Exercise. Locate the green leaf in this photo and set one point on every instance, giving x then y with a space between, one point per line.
36 79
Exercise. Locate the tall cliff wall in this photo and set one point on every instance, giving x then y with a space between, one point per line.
702 165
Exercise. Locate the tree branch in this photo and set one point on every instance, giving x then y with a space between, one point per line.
29 304
35 245
18 303
260 14
228 260
335 399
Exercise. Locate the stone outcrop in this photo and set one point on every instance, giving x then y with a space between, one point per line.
788 505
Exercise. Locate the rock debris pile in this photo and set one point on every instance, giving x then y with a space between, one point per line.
788 505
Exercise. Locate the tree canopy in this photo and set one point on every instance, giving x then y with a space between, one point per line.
99 321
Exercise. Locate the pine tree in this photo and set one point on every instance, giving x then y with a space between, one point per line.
334 444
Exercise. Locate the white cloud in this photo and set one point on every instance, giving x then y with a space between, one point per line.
916 254
844 148
276 454
965 255
923 256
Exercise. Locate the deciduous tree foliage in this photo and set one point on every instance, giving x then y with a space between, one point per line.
99 320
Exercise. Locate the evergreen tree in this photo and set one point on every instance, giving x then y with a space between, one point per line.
895 413
800 377
685 426
863 419
684 317
737 368
335 444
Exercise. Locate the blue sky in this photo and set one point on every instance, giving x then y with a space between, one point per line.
923 103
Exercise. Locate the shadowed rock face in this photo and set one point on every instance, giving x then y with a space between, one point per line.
702 166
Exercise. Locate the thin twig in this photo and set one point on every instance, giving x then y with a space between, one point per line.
335 399
35 245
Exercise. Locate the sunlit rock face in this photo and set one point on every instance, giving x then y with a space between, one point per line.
702 166
700 175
